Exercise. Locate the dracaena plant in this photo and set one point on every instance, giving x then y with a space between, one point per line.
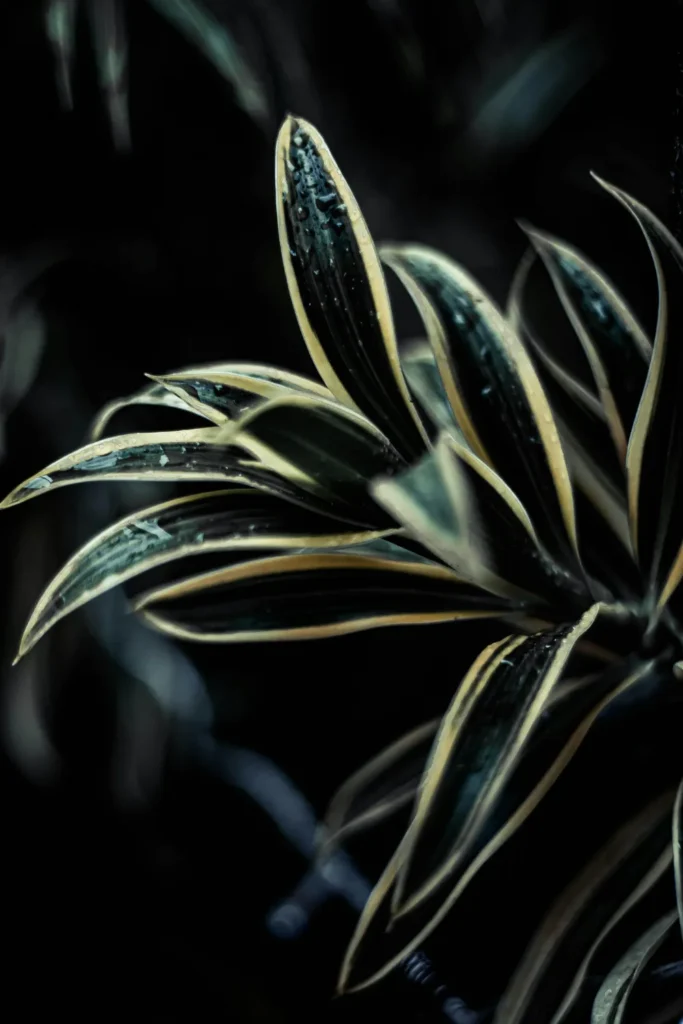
482 473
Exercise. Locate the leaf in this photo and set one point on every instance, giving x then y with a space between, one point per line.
494 390
556 962
655 450
217 44
321 444
337 287
154 394
307 596
377 790
677 844
177 391
611 1001
604 535
499 708
578 411
595 470
422 374
557 353
233 520
176 455
615 345
503 744
185 455
222 395
457 506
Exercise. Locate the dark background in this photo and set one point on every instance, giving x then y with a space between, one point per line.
139 873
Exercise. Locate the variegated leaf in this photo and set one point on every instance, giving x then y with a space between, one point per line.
502 706
494 390
422 373
616 347
337 286
233 520
457 506
503 745
110 44
655 449
311 595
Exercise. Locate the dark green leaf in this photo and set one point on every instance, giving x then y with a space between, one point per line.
615 345
554 967
424 379
305 596
110 42
320 444
513 727
500 708
380 788
337 286
235 520
154 394
655 451
462 510
611 1001
226 393
677 843
494 390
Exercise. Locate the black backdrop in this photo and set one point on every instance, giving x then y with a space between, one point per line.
139 876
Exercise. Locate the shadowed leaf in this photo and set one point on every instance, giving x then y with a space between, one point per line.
615 345
304 596
501 707
503 744
456 504
321 444
422 373
553 970
611 1001
377 790
655 450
